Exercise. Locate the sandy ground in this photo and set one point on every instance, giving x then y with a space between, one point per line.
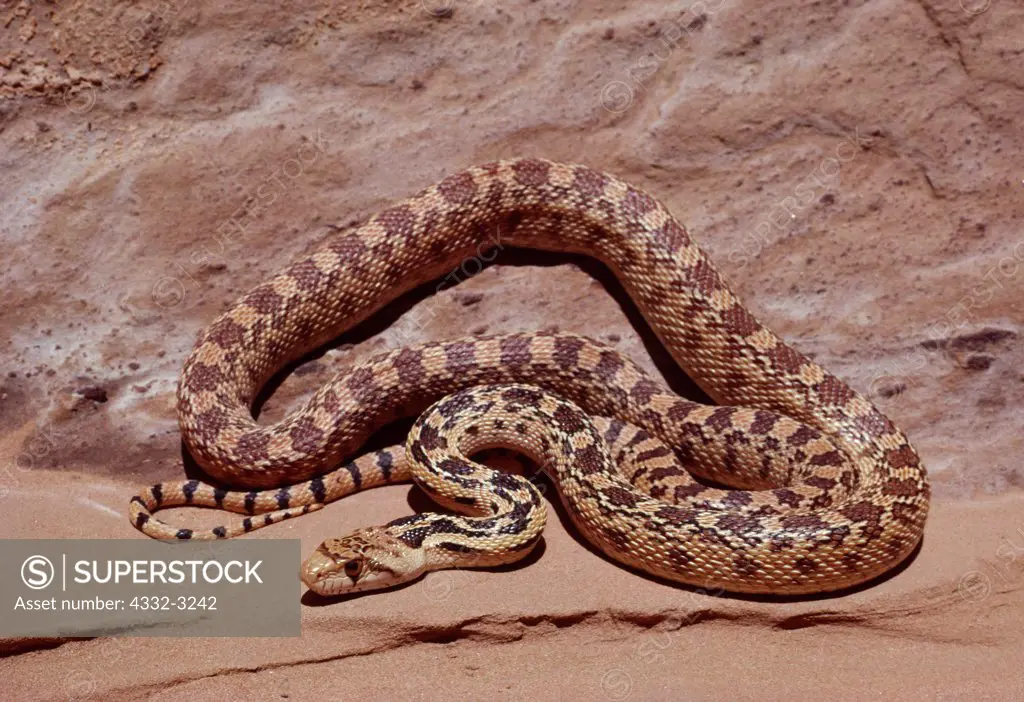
853 167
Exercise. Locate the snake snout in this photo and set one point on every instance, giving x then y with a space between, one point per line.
314 566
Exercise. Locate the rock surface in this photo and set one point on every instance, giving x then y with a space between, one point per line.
853 168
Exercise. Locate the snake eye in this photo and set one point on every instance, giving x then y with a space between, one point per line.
353 568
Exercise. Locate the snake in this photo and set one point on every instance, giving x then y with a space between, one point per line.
792 483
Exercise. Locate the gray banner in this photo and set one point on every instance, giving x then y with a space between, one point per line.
94 587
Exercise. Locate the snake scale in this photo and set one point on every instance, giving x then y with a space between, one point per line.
825 493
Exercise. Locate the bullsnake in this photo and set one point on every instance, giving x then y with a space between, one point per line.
828 493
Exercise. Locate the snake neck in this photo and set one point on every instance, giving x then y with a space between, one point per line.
453 541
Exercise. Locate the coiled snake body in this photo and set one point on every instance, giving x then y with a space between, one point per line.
829 492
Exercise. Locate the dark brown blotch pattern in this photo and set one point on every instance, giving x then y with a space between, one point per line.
531 172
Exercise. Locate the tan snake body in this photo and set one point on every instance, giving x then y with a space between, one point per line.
832 494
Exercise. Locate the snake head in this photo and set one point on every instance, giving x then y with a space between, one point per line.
367 559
